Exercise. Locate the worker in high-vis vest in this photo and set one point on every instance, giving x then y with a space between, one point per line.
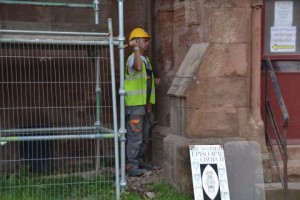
140 94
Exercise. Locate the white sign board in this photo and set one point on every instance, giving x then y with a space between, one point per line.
209 172
283 39
283 13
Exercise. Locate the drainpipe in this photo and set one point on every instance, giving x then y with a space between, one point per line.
256 59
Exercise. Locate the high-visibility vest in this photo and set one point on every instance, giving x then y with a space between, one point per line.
136 87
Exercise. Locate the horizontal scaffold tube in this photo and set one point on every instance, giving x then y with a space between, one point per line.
53 32
48 41
55 137
53 129
57 4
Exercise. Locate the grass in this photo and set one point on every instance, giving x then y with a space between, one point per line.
162 191
35 187
166 192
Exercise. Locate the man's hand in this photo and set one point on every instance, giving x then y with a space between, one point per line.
157 81
133 43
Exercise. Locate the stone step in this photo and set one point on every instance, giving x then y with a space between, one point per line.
293 152
293 170
274 191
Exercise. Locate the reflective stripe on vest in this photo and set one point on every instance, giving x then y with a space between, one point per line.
136 88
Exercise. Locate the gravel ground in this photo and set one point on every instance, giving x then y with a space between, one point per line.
142 185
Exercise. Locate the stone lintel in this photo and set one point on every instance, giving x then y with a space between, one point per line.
187 69
179 86
192 60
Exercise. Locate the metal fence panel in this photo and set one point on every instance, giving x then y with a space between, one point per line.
57 119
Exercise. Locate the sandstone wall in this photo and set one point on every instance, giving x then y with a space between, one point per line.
204 50
221 87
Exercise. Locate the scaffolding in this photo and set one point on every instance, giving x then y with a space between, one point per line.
58 114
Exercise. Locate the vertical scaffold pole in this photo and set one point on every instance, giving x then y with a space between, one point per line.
98 104
113 88
122 130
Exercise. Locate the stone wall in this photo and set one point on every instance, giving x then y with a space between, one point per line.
204 54
227 64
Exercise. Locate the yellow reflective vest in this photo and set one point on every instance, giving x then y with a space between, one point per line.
136 87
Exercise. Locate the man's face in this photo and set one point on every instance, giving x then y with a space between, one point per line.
144 43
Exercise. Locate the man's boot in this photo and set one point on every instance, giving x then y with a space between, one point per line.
134 171
144 165
147 166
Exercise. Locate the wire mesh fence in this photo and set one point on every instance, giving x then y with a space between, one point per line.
56 121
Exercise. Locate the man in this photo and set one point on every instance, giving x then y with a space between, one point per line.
140 94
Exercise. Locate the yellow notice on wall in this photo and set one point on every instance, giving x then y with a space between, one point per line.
283 39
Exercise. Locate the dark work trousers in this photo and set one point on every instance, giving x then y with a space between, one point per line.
137 134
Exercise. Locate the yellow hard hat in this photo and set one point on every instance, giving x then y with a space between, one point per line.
138 33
